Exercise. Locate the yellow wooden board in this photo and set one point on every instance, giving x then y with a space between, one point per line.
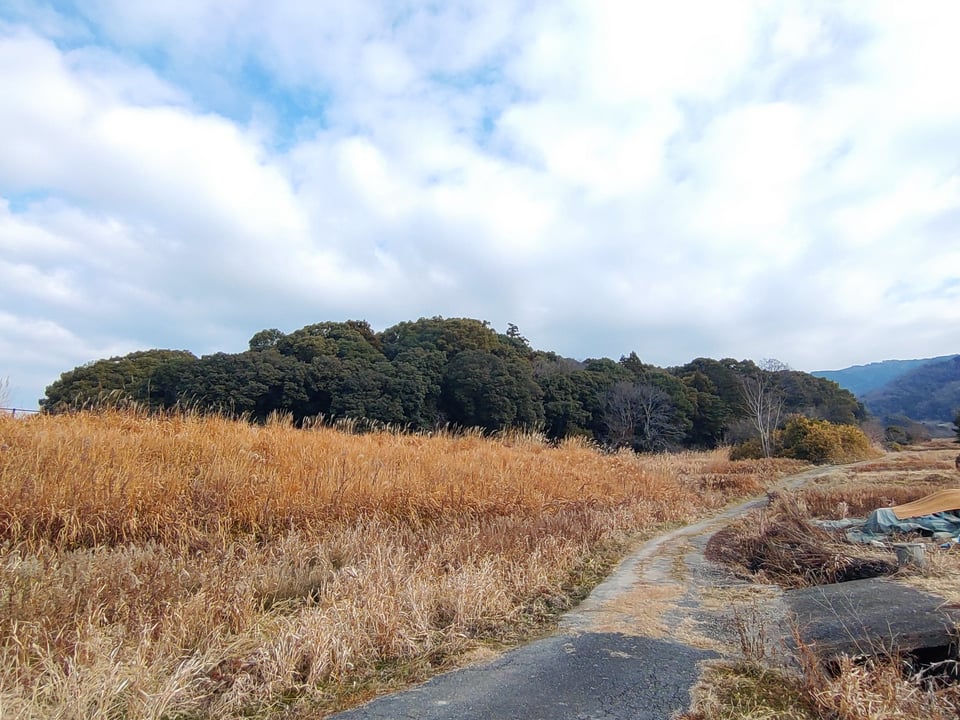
942 501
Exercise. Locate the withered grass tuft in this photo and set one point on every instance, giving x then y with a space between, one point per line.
779 545
197 567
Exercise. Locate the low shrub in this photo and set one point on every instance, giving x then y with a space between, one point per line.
747 450
822 442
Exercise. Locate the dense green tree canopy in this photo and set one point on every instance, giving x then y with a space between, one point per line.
253 383
484 390
451 371
148 377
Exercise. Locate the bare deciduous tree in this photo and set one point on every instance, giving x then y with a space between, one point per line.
620 414
640 416
763 400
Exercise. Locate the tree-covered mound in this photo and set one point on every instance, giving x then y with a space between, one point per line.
436 372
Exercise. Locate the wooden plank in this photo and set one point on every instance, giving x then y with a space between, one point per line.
941 501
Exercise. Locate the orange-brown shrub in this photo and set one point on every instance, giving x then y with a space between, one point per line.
822 442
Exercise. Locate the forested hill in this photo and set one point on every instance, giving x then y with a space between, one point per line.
928 392
456 371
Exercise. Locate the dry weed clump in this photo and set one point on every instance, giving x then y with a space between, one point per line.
882 688
746 477
751 691
939 575
778 545
187 566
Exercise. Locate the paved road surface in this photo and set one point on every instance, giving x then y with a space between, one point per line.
590 675
630 651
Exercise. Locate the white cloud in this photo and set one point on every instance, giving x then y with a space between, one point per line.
798 35
752 166
680 179
386 68
615 53
33 348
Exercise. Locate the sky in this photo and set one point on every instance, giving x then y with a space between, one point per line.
678 179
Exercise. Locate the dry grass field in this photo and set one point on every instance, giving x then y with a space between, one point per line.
197 567
792 553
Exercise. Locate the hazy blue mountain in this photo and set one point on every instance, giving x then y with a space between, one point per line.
928 392
863 379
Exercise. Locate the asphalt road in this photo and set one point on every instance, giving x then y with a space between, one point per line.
627 652
563 677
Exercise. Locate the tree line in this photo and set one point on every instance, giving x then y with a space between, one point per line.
460 372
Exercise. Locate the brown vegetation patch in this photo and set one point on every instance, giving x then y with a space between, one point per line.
881 689
189 566
857 490
750 691
778 545
939 575
860 500
746 477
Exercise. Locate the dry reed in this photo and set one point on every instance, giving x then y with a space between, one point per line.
187 566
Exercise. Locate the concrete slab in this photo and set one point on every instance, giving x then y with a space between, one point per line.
868 617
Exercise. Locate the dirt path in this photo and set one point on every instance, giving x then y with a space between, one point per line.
632 649
667 589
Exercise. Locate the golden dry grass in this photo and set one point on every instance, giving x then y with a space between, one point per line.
882 692
940 573
750 691
195 567
897 478
876 690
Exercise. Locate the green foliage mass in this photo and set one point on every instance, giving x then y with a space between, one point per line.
149 378
436 372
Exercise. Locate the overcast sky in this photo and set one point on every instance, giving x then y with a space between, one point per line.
680 179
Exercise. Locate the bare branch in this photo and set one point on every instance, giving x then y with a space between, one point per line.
773 365
764 403
641 416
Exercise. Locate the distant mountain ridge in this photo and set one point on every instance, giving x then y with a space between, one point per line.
923 389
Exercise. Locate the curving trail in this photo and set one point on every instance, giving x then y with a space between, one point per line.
632 649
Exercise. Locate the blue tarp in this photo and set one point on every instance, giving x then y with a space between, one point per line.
882 522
